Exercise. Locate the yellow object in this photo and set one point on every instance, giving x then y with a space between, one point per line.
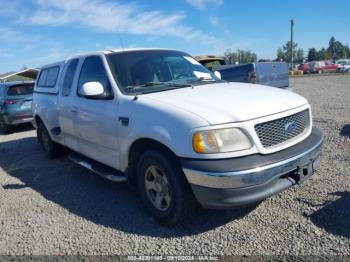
296 72
220 141
204 142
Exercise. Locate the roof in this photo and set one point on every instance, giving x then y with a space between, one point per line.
110 51
208 57
13 83
105 52
29 72
135 49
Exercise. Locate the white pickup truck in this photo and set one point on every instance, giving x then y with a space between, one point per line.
160 120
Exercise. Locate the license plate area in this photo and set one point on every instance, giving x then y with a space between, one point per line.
307 170
304 173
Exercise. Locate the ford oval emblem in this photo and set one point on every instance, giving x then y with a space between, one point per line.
290 127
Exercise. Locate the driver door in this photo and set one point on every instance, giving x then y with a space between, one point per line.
96 119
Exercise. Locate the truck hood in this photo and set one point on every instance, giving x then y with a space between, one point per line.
220 103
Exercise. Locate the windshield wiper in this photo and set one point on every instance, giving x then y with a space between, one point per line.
176 84
201 79
167 84
143 85
204 80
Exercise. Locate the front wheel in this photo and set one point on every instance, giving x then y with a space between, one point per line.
163 188
51 148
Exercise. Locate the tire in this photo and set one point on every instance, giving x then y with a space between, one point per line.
51 148
158 176
38 133
4 129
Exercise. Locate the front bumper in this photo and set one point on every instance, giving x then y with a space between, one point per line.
242 181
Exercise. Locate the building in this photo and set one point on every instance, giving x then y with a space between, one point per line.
27 74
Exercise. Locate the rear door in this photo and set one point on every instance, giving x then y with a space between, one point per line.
18 101
330 67
65 105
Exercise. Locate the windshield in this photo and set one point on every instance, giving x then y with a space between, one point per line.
148 71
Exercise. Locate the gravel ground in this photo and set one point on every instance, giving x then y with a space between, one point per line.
57 207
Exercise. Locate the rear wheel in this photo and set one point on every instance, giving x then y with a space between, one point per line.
4 129
163 188
51 148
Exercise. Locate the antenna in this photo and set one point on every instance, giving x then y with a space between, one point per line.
119 34
121 40
291 41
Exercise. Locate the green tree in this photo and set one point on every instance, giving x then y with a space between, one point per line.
336 49
299 55
312 54
240 56
315 55
323 54
247 57
347 51
284 53
331 43
262 60
281 56
231 56
286 50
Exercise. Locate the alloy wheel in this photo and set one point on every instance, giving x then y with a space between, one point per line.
157 188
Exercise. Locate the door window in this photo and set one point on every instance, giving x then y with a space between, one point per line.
69 77
93 70
48 77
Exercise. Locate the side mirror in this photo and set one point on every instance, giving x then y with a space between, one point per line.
91 89
217 74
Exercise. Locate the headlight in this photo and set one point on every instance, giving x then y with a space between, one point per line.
220 140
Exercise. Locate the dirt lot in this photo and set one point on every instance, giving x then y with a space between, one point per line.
57 207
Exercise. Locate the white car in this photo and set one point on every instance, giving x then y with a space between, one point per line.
345 68
160 120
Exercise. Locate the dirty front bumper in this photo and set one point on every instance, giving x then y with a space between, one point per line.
241 181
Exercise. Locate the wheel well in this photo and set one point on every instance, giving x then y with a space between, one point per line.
140 146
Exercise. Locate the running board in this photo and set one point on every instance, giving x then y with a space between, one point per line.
99 169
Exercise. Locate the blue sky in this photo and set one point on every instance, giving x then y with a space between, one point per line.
36 32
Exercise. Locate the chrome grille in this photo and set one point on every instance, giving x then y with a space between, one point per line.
281 130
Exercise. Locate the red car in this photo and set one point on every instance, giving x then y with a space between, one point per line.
305 68
328 67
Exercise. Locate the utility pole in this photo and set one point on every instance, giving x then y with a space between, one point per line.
345 52
291 41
